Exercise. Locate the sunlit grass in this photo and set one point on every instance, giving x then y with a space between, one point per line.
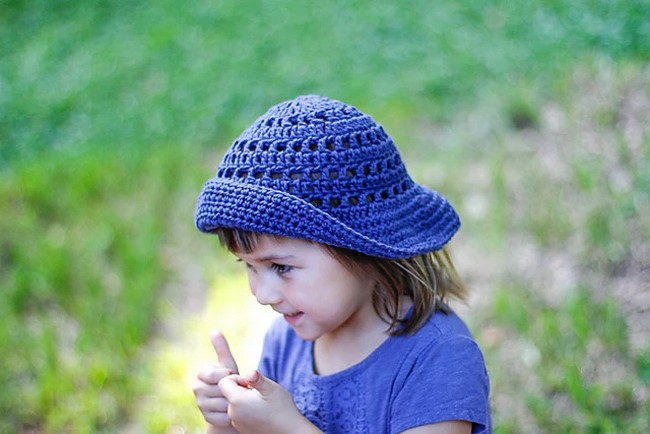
230 308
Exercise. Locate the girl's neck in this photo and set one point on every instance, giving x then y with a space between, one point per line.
351 344
336 352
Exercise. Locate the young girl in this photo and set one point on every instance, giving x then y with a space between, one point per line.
336 237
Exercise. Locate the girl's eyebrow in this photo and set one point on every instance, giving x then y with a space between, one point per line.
271 258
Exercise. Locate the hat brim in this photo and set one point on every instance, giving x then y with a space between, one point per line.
426 224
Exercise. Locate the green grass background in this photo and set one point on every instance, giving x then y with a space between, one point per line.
531 116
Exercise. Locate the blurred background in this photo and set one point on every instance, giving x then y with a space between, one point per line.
533 117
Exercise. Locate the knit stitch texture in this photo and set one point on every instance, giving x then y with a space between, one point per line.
319 169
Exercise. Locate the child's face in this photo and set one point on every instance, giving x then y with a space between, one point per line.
314 292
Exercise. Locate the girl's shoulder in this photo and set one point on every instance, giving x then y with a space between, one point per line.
442 325
444 337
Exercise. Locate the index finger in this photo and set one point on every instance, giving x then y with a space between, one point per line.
222 349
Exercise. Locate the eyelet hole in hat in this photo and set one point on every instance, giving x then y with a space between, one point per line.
243 175
315 175
313 147
345 143
277 175
370 198
280 147
258 175
329 144
353 200
350 173
335 202
384 194
316 201
333 174
366 170
361 138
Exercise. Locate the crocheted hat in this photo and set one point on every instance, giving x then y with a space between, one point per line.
319 169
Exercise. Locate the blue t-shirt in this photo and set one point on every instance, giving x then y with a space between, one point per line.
437 374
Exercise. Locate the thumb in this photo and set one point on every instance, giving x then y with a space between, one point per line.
259 382
220 345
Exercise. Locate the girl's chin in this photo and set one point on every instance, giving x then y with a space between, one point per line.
305 333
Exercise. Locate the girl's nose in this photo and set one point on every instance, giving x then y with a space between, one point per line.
265 291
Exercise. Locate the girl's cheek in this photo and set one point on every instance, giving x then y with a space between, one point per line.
252 283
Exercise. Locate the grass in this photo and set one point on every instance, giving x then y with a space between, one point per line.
125 74
529 115
81 261
585 374
564 326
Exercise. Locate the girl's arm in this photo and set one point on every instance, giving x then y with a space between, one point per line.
449 427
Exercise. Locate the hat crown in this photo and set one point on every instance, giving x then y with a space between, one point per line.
318 169
323 151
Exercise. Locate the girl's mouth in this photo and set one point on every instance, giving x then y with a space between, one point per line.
293 318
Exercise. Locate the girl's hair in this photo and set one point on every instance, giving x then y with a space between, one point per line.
428 280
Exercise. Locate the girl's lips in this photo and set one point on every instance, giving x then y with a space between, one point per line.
294 318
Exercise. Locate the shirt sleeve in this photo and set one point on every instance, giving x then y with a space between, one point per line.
448 381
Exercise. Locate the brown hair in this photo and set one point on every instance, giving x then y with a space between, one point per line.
428 280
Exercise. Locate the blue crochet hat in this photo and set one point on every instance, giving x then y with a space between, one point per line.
319 169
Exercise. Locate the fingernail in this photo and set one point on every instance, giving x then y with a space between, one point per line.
254 376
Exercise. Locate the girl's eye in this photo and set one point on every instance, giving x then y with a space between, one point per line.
280 268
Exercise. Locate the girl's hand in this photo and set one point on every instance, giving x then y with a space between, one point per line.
257 404
209 398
